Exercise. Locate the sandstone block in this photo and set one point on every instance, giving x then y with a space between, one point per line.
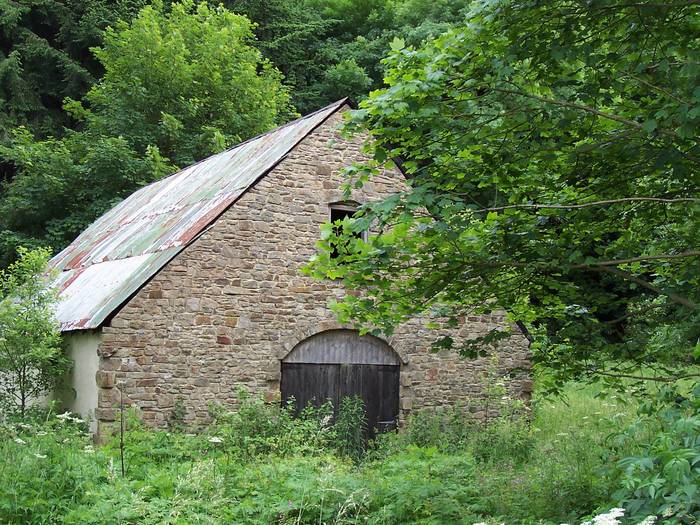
105 379
105 414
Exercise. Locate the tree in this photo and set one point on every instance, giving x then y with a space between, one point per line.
179 84
31 358
552 155
186 80
328 49
45 57
291 34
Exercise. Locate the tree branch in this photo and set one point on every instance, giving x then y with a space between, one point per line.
616 262
656 88
590 204
670 5
583 107
645 284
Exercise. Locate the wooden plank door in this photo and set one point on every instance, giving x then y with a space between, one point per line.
314 383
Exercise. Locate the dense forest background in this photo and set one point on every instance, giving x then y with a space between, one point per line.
74 137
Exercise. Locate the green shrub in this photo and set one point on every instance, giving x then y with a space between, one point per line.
560 478
260 465
418 486
663 477
507 437
176 418
447 429
147 451
32 362
423 485
256 428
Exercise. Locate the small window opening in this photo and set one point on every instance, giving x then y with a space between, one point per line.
338 213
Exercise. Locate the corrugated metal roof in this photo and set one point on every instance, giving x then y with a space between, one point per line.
129 244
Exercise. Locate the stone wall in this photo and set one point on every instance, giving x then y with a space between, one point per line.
226 310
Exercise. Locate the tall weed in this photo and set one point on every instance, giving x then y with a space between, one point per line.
350 428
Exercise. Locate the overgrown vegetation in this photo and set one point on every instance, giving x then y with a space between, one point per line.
555 147
261 465
663 477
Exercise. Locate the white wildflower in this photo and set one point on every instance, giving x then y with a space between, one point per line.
215 439
89 449
66 416
111 470
649 520
42 433
20 441
609 518
40 456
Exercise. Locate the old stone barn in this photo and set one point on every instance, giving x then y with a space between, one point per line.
191 289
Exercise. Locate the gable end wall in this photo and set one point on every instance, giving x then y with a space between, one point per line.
226 310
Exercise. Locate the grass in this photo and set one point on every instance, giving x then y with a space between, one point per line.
564 476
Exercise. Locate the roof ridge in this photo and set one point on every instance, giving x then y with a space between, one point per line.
337 103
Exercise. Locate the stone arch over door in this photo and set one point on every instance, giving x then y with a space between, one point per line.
333 364
291 339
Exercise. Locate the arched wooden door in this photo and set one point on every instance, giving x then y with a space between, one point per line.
339 363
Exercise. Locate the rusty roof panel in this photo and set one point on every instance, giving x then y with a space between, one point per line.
125 247
89 294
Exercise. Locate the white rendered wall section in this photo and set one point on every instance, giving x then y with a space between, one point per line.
82 395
